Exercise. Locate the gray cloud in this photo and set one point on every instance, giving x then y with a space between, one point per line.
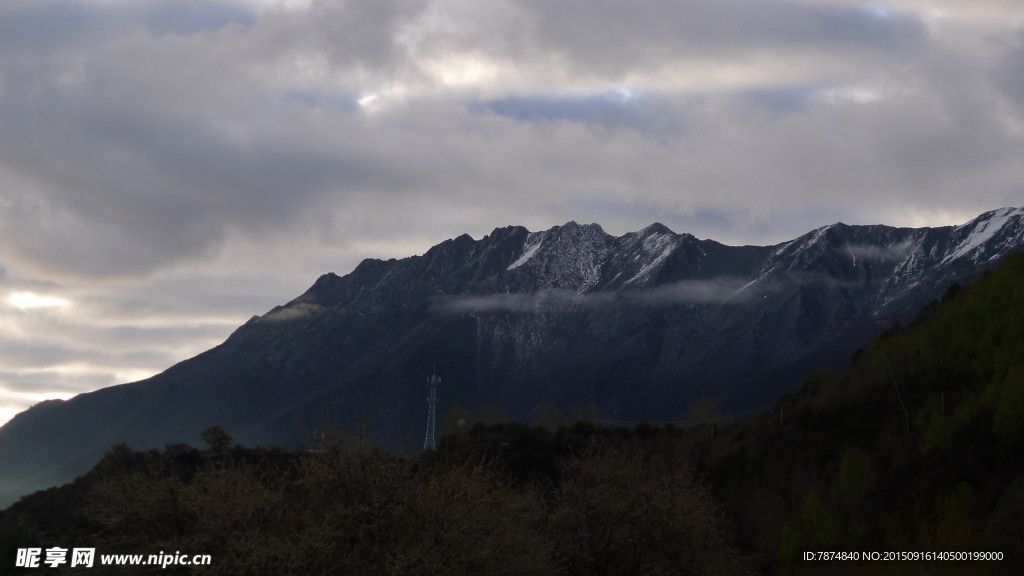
209 148
55 382
614 39
187 17
873 253
543 301
28 27
292 312
1009 73
715 291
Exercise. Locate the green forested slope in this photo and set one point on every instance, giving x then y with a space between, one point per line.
917 446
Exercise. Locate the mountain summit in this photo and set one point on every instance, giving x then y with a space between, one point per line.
638 326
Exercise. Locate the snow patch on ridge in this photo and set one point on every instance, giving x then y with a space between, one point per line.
803 247
764 274
660 246
530 247
982 232
782 248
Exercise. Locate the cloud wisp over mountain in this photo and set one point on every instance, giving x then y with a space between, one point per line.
717 291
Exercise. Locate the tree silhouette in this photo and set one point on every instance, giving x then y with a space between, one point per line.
218 438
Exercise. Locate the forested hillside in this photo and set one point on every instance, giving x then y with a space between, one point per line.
918 445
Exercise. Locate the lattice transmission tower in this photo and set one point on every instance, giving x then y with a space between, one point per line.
431 440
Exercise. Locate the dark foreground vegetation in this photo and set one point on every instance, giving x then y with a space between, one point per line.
918 446
505 499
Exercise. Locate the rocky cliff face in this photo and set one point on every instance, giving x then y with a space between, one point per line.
639 325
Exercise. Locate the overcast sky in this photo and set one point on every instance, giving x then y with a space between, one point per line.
170 168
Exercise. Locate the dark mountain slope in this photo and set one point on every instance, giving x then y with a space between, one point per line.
639 326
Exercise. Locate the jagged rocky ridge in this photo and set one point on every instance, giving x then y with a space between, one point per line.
639 325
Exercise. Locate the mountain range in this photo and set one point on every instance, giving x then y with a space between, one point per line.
635 327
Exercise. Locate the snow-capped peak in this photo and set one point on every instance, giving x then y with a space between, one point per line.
982 229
